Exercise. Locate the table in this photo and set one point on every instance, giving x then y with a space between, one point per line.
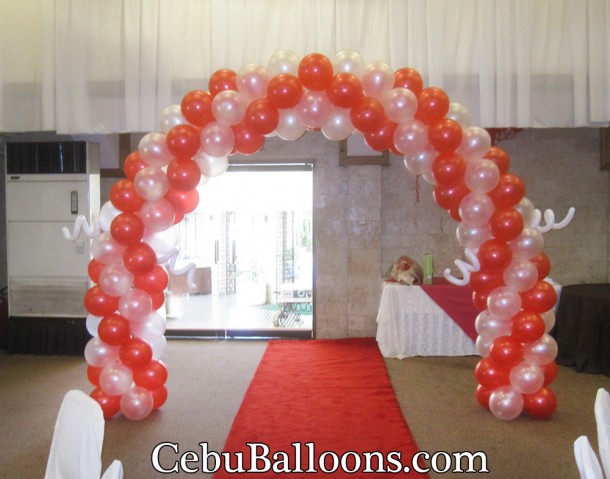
411 323
582 328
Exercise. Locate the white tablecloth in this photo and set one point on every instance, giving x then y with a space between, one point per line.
410 323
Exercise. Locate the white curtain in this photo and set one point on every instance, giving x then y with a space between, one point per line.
108 66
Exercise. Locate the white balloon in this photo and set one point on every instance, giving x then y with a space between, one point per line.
526 209
115 279
377 79
476 142
504 302
549 320
91 323
421 163
399 104
135 305
348 61
506 403
491 327
157 215
211 166
105 249
476 209
108 213
153 150
526 377
528 244
98 354
252 81
136 403
150 329
520 275
313 109
411 137
151 183
158 347
217 139
171 116
460 114
229 107
115 379
338 126
162 241
482 175
290 126
542 351
472 237
283 61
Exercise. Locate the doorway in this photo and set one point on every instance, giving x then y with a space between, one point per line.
251 241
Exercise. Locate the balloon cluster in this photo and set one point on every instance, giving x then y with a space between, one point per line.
287 97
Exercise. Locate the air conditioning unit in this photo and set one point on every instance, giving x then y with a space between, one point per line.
48 185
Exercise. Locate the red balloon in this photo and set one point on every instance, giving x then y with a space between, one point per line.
93 375
159 397
449 196
433 105
542 404
543 265
114 329
284 91
480 300
409 78
494 255
153 282
139 258
127 228
445 135
261 116
183 174
455 214
110 404
499 157
123 196
183 201
485 281
527 327
448 168
133 163
157 300
345 90
482 395
223 79
135 353
506 351
541 298
247 141
382 138
506 224
152 376
99 303
196 106
550 372
183 141
491 375
315 71
94 269
367 114
508 192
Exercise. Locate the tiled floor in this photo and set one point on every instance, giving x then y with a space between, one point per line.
195 315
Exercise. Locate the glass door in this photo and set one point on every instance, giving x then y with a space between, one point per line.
251 235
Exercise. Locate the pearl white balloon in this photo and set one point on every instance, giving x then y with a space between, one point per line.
459 113
153 150
105 249
481 175
150 329
503 302
542 351
348 61
472 237
476 142
98 354
506 403
290 126
211 166
528 244
491 327
151 183
157 215
338 125
135 305
314 109
483 345
162 241
476 208
377 79
158 347
549 320
217 139
520 275
411 137
136 403
115 379
283 61
252 80
115 279
229 107
399 104
108 213
171 116
527 378
526 209
421 162
91 323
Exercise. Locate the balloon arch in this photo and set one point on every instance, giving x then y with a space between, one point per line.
133 240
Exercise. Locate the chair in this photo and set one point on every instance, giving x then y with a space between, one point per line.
602 417
586 460
76 448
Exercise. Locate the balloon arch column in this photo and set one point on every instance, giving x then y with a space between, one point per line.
133 240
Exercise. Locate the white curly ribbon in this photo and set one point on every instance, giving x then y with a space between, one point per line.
465 268
549 219
81 225
172 257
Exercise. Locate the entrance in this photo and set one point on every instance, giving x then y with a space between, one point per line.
251 240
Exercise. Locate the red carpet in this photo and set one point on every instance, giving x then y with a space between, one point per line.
329 399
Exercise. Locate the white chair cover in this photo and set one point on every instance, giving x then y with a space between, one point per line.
76 449
602 417
586 460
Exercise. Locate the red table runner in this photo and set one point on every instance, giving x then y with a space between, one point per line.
456 301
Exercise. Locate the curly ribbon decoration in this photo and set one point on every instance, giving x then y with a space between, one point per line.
81 225
172 256
549 218
465 268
